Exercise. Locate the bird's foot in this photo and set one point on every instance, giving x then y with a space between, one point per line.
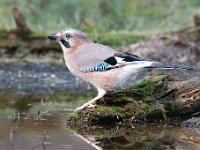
82 107
78 109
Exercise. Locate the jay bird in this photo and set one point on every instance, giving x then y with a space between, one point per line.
100 65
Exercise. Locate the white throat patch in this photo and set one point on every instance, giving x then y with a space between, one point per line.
63 47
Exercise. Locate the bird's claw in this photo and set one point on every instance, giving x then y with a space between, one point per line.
82 107
78 109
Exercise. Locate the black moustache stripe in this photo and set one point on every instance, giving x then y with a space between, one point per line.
65 43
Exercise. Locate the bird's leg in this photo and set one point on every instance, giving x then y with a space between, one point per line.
101 93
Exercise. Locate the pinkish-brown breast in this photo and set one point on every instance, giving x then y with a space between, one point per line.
88 55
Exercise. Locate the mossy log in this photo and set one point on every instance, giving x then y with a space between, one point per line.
157 98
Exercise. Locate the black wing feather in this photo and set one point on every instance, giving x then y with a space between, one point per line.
126 57
111 60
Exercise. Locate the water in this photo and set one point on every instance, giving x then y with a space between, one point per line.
142 137
48 133
35 100
36 122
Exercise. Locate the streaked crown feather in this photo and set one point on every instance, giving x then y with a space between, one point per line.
73 31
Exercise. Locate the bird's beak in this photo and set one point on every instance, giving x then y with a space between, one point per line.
53 36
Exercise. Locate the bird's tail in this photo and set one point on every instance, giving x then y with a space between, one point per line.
169 66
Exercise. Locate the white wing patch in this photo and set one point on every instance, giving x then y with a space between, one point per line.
120 60
141 64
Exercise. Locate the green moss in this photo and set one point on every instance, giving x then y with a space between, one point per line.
3 34
159 110
116 99
107 113
137 110
149 89
74 116
141 111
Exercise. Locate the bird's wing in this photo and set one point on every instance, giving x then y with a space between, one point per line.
97 57
116 60
90 54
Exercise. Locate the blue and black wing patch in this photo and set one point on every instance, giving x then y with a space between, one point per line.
100 66
117 60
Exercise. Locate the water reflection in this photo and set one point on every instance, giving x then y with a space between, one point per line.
141 137
39 134
38 121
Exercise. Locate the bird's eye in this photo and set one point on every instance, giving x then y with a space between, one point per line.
68 36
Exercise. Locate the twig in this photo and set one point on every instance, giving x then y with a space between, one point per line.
11 138
42 142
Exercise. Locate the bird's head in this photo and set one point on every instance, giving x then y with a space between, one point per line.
69 38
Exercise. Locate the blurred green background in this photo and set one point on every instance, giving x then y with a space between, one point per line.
146 16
